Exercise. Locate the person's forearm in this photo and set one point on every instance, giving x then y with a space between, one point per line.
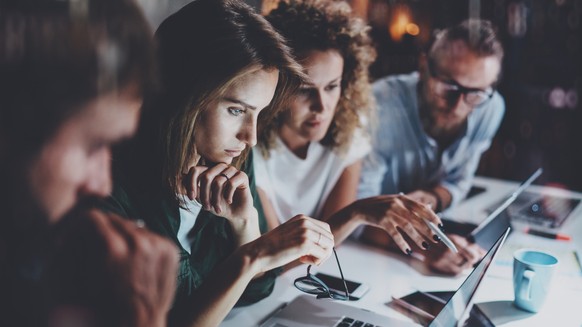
246 229
212 301
344 222
444 196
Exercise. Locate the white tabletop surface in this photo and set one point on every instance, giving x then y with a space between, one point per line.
392 275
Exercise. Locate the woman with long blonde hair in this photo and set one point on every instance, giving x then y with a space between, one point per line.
188 175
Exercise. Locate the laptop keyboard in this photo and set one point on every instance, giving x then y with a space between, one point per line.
351 322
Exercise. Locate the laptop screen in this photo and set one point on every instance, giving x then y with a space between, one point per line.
460 303
497 221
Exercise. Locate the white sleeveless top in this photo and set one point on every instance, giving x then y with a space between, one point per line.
301 186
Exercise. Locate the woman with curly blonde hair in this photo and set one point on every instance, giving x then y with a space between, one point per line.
309 158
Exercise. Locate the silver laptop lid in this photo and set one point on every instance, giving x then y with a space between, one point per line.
508 201
457 309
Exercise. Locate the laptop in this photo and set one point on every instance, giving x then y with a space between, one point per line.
488 230
544 211
307 311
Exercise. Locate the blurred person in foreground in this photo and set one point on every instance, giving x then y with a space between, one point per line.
72 76
433 126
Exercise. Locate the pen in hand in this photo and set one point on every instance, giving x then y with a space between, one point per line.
447 241
438 232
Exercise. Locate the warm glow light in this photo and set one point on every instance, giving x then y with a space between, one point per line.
401 24
268 5
412 29
398 27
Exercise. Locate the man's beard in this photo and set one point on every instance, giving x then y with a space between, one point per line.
429 121
25 225
24 216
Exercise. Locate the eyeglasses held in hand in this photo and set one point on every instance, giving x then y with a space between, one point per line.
312 285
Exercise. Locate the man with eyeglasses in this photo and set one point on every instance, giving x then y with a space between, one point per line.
433 126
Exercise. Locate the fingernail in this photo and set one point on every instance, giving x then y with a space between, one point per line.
425 245
436 238
441 226
408 251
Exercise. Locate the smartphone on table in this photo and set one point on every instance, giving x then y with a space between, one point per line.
356 290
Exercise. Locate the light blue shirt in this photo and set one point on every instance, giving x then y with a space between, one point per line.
405 158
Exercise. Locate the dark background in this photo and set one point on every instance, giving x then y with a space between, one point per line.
541 82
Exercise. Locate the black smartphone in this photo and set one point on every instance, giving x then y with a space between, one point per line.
356 290
423 307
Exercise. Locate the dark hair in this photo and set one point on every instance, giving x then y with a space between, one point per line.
204 48
57 55
329 25
478 34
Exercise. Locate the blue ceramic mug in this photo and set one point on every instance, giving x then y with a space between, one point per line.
532 275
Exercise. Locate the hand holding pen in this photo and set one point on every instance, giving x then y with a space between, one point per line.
443 260
462 255
398 215
439 233
442 236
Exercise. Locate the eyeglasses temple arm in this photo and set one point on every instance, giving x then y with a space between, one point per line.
341 274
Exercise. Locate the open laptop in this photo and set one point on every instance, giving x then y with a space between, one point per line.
307 311
499 218
544 211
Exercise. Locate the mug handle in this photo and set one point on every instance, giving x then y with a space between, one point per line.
525 287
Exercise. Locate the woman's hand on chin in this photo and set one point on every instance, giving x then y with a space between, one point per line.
224 190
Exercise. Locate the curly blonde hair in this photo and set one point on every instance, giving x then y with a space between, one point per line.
328 25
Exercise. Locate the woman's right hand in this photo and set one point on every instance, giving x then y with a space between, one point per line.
224 190
304 238
221 189
398 214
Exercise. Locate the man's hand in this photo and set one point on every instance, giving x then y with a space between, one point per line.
441 259
117 269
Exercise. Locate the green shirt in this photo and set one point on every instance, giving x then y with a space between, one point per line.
212 238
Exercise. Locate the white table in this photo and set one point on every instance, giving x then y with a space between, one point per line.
389 274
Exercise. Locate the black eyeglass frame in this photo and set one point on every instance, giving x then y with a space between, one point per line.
455 88
321 289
